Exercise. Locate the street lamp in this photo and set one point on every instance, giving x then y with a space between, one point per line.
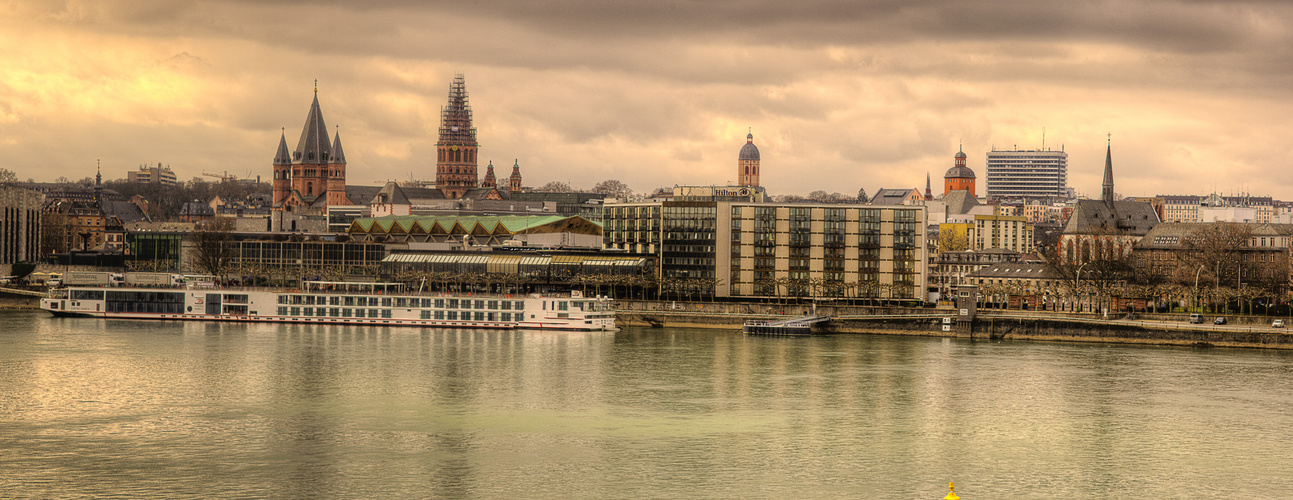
1078 279
1196 285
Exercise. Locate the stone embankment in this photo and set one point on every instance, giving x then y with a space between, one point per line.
1163 329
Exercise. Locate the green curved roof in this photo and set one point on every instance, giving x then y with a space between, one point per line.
493 224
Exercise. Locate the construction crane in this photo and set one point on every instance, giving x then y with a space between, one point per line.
225 176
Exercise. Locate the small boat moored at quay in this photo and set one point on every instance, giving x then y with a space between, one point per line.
794 326
334 302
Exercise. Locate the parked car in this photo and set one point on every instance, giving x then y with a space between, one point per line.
1221 320
1279 323
1196 318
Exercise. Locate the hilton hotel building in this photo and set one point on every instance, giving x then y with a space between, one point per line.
746 245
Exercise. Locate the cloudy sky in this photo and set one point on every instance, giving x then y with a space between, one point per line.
839 94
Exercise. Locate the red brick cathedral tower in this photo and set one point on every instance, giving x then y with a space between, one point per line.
314 174
747 164
456 152
490 181
514 182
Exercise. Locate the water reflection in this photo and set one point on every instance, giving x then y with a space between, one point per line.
153 409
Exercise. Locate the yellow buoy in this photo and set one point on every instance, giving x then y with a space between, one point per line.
951 492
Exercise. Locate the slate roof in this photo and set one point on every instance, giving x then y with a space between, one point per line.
363 195
338 156
749 151
390 194
1129 218
1173 235
283 156
313 148
124 211
891 196
959 202
959 172
1017 270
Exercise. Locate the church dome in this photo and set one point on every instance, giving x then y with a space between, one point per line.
749 151
959 172
960 154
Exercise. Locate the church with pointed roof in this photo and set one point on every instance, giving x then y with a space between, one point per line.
314 174
1107 228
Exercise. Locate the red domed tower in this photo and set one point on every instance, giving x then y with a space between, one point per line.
959 177
747 163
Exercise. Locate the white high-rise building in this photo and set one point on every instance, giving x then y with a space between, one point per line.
1027 174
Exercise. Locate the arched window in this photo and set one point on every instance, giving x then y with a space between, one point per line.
309 189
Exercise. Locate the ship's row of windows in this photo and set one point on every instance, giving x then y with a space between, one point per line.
114 306
346 312
335 300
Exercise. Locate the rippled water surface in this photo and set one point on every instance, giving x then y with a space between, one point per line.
171 410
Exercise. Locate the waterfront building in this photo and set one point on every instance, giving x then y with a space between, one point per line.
153 175
1027 174
959 177
1253 254
1105 229
749 249
20 225
747 163
312 176
952 268
1019 285
456 150
93 225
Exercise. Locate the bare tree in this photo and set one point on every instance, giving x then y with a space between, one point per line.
556 186
613 187
214 250
862 197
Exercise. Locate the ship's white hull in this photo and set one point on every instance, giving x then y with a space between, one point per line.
340 308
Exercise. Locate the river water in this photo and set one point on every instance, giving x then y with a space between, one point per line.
176 410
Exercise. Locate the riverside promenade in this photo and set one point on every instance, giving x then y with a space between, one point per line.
997 325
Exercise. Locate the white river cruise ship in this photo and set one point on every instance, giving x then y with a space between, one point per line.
328 302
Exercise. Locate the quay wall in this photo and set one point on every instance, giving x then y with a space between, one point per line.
1002 326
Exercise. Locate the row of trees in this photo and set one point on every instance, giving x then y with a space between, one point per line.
1216 264
164 202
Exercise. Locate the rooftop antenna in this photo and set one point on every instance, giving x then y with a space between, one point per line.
1043 138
